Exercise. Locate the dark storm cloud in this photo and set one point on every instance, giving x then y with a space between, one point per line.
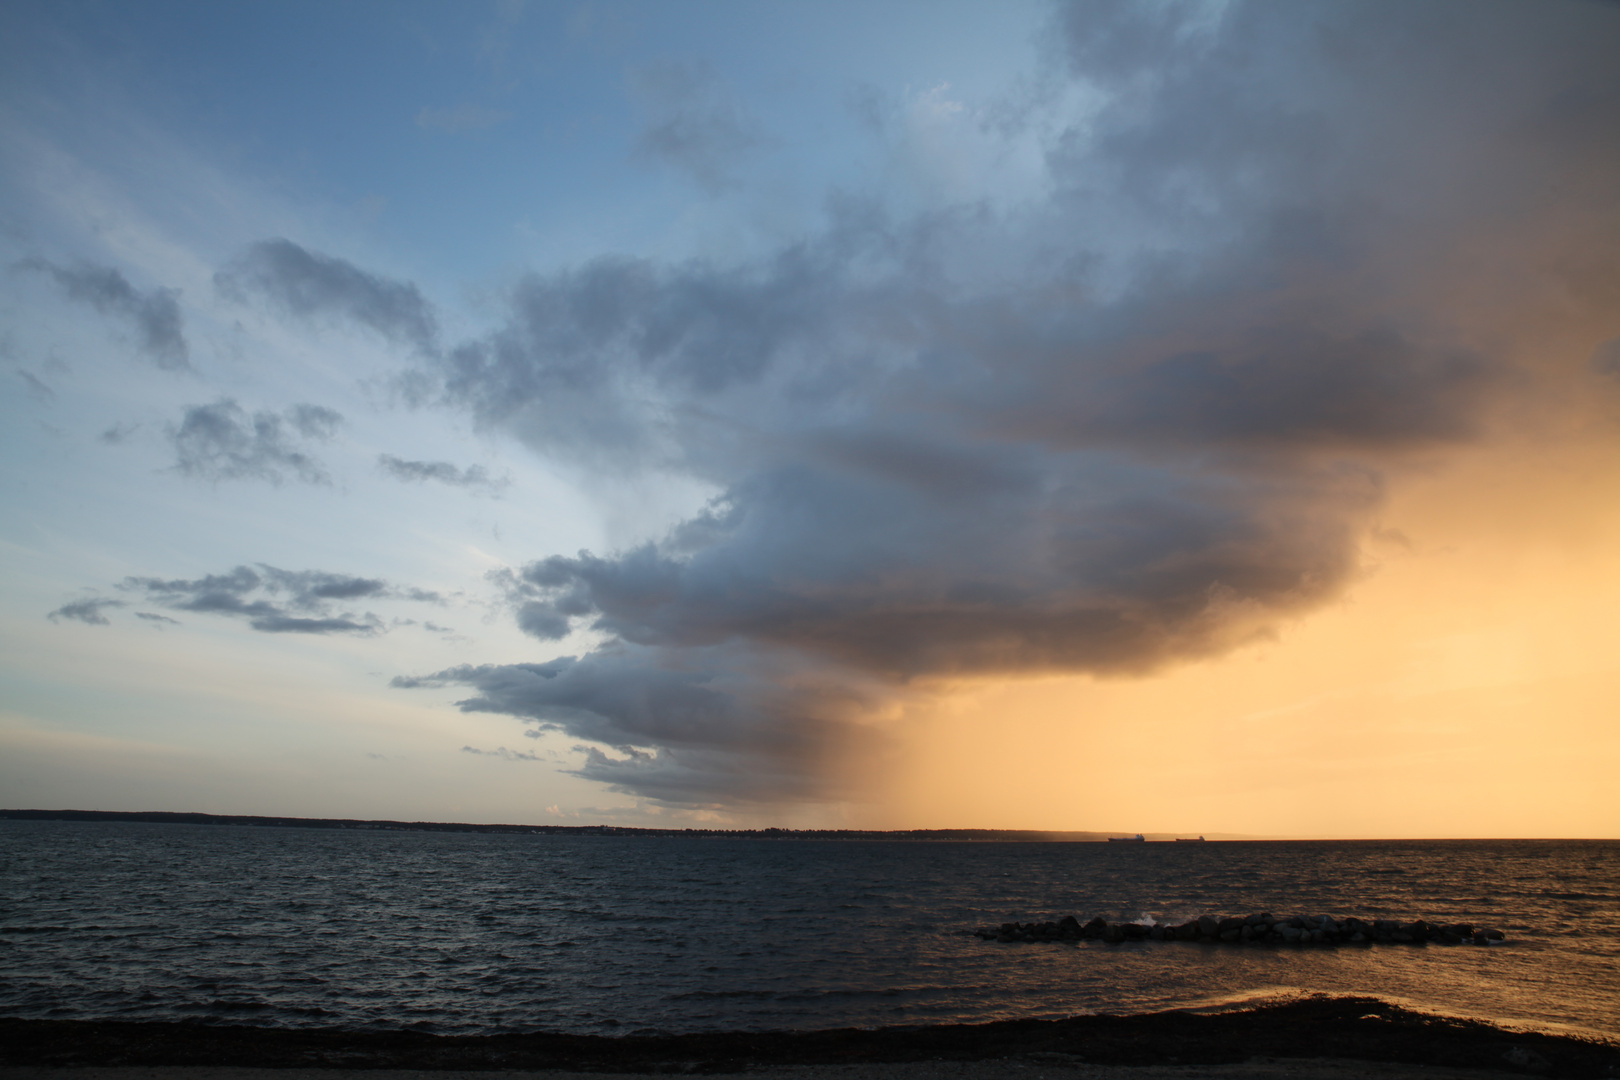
1141 420
222 442
277 601
442 472
154 314
695 124
722 730
310 285
86 611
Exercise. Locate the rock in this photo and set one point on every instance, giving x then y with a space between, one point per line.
1522 1058
1231 929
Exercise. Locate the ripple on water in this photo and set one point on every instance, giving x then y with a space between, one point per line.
486 933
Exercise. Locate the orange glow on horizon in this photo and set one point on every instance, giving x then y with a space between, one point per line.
1469 686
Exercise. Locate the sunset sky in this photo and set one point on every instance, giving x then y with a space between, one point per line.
1158 416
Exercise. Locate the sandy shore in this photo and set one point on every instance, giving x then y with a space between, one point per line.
1006 1069
1319 1038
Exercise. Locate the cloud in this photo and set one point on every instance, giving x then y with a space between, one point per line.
462 118
1144 419
503 753
442 472
86 611
276 601
695 125
222 442
154 315
36 386
705 733
1606 358
159 620
310 285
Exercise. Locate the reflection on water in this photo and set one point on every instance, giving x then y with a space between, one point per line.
483 933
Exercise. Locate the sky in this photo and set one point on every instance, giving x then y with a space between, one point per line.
1196 418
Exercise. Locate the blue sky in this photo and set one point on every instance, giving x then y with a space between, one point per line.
714 393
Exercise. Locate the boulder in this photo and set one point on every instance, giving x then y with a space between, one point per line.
1208 925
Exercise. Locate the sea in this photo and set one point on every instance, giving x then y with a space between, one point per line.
468 933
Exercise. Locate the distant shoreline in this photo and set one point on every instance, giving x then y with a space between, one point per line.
1345 1028
156 817
1001 836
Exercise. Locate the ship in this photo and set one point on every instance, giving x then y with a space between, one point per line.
1137 839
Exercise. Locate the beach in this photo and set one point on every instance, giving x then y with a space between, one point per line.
1014 1069
1318 1037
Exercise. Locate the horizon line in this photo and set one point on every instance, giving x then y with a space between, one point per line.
181 817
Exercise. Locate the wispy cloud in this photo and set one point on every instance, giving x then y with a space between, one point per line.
222 441
439 472
278 601
310 285
86 611
695 124
154 315
503 753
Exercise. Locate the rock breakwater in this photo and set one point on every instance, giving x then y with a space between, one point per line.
1261 929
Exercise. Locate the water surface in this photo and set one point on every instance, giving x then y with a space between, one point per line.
476 933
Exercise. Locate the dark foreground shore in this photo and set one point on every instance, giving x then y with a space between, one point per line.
1346 1029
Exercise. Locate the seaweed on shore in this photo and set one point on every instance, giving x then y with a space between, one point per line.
1355 1028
